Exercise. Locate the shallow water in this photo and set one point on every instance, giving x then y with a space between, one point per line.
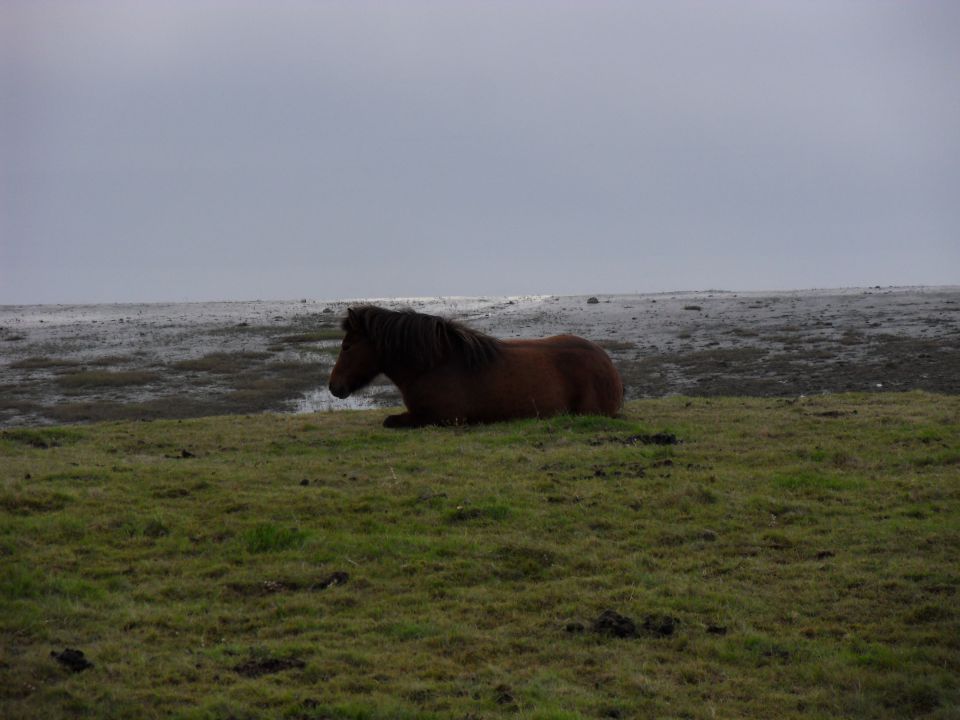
322 400
697 343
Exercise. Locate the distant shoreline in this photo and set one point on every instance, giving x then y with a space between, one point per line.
434 298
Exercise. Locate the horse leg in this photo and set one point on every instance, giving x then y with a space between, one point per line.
404 420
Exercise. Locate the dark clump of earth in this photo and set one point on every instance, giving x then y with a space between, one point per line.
257 667
72 659
660 625
503 695
660 438
613 623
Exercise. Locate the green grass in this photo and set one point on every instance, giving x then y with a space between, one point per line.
808 550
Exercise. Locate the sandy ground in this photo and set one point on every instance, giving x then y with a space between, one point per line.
76 363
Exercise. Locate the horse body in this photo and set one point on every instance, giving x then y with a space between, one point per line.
450 374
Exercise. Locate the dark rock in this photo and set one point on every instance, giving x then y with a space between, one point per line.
574 627
592 301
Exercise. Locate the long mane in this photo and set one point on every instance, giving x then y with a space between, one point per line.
421 340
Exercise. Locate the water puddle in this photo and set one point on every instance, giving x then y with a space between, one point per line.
321 400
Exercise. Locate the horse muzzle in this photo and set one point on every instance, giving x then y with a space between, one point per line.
339 390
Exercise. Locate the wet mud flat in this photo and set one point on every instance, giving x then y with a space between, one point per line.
104 362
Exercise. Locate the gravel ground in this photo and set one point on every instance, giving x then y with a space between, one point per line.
93 362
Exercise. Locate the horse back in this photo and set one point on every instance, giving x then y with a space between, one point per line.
577 375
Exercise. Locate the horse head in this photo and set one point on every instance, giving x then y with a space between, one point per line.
358 363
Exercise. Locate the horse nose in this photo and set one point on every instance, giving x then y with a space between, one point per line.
338 390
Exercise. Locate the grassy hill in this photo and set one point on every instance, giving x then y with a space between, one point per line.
781 559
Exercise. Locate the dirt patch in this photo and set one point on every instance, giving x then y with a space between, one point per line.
42 438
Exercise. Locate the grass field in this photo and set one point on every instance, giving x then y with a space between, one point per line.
788 559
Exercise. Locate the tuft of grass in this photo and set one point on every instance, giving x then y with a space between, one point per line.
267 537
814 479
41 437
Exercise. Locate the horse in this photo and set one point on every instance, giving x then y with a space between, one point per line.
450 374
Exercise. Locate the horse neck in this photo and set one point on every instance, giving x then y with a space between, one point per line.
401 374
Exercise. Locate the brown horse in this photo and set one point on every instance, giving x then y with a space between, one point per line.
450 374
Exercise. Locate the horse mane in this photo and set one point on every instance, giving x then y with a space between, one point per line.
422 340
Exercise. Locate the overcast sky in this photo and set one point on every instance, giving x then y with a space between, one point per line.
155 150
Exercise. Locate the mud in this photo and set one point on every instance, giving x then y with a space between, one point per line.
219 358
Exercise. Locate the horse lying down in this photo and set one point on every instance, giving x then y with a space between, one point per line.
450 374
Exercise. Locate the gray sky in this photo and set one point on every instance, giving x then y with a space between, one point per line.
205 149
